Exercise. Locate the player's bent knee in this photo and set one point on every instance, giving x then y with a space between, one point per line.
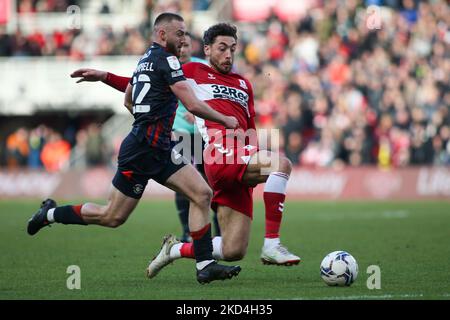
116 222
285 165
233 254
113 221
203 197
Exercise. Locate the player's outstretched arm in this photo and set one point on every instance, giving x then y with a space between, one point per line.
93 75
128 102
90 75
199 108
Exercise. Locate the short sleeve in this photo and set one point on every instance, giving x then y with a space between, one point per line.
170 69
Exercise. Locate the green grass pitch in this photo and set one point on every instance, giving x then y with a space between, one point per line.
409 241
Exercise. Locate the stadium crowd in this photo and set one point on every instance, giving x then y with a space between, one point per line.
344 94
36 6
341 94
44 147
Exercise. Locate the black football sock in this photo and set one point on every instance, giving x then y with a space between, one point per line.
68 215
203 244
182 204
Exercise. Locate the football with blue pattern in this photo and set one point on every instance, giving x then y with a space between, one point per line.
339 268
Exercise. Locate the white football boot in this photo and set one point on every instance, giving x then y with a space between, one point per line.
163 258
278 255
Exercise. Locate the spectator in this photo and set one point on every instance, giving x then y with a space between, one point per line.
294 147
17 149
342 92
95 150
36 144
55 153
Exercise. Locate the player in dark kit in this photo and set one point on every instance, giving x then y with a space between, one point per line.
151 96
183 124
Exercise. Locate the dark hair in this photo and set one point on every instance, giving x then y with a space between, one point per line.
220 29
167 17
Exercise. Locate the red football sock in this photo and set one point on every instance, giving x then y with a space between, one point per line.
187 250
274 203
77 210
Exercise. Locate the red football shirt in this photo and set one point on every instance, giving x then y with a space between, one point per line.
230 94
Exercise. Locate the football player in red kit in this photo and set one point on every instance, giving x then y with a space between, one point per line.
233 162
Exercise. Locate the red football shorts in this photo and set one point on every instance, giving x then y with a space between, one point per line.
224 168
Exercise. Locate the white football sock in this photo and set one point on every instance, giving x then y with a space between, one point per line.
202 264
217 248
175 252
50 217
277 182
271 242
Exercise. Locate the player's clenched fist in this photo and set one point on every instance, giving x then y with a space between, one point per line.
231 123
89 75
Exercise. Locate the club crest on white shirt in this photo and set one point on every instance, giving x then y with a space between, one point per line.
173 62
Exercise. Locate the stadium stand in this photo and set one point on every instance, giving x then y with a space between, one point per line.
351 98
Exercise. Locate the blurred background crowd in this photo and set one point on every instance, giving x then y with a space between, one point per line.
341 93
43 147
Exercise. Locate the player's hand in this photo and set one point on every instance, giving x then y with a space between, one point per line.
90 75
231 123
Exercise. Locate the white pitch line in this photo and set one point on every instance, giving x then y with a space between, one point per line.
359 297
383 296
